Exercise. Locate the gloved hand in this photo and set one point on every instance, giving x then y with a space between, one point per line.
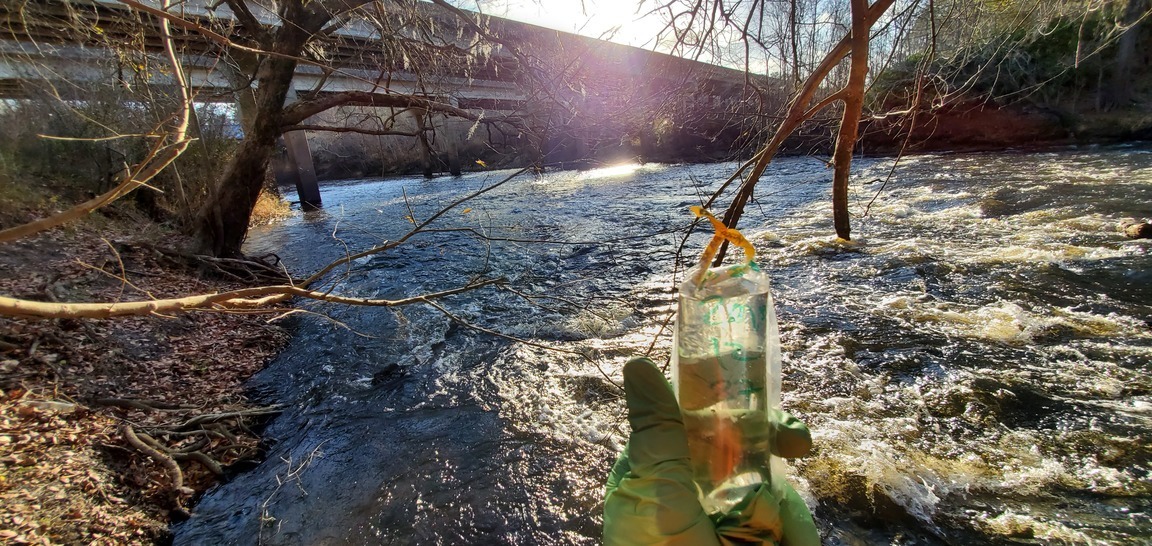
652 500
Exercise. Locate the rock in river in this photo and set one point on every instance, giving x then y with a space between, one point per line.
1138 230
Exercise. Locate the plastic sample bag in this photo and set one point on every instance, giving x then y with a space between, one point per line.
726 373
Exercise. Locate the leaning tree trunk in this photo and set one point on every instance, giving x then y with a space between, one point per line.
850 123
223 219
863 17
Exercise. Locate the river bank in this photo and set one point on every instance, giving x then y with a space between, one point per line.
983 125
69 388
368 406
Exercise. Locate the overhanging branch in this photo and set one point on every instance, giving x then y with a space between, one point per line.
300 111
357 130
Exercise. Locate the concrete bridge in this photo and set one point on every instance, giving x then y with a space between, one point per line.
584 99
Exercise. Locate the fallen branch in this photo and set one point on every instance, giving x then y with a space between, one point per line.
259 299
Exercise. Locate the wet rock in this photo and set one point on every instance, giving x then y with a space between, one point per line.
387 374
993 208
1137 230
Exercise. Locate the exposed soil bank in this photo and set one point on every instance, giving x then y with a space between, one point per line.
979 126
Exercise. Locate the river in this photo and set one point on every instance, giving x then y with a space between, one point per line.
976 367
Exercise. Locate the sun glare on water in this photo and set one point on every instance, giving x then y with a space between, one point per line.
610 172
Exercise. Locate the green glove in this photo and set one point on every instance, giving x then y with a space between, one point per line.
651 498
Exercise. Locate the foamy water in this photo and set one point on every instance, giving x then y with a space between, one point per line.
974 365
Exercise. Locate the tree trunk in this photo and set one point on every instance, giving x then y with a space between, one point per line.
223 219
850 123
1120 92
426 154
799 112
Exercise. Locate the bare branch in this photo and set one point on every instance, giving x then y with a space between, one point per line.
248 20
300 111
417 229
358 130
258 298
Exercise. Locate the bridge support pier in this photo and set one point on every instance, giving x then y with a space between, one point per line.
451 142
454 167
294 165
425 146
445 140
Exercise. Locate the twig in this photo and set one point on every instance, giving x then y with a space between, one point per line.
532 299
293 474
393 244
142 405
213 417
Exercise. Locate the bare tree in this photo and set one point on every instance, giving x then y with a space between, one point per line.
264 46
932 54
705 27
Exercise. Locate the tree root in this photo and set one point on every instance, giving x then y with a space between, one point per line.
190 453
175 475
265 269
142 405
202 458
209 440
213 417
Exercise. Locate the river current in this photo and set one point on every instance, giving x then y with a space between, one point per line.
976 366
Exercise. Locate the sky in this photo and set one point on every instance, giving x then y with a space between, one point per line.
616 20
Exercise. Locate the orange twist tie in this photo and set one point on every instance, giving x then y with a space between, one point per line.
723 233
